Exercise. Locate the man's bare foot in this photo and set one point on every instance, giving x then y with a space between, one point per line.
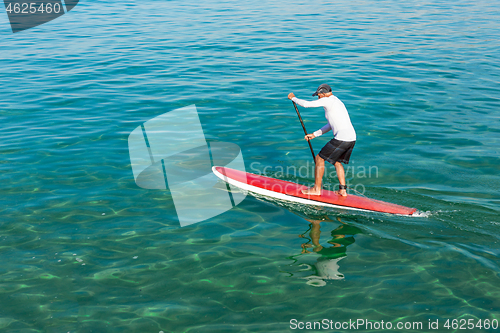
342 193
311 191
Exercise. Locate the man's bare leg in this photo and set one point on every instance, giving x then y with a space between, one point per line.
341 176
319 171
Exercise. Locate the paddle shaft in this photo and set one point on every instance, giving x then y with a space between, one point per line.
305 131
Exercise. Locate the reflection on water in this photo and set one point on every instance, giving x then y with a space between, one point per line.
327 256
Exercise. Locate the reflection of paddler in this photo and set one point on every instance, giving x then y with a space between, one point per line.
342 237
327 265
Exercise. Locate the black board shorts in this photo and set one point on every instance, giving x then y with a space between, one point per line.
337 151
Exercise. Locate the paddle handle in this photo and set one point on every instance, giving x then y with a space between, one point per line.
305 131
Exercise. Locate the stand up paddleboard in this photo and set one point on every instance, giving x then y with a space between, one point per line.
289 191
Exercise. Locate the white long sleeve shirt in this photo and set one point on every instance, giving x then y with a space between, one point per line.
336 115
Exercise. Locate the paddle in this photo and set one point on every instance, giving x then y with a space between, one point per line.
305 131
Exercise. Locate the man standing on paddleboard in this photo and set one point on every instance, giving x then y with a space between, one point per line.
338 149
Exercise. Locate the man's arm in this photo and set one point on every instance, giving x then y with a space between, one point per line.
323 130
319 132
308 104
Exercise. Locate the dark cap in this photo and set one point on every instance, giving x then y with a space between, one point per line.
323 89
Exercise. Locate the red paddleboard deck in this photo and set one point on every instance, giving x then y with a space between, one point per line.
293 192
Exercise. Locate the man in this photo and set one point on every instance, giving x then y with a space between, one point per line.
339 149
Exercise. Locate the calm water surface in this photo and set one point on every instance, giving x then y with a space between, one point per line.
84 249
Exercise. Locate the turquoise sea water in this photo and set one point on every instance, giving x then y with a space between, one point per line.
84 249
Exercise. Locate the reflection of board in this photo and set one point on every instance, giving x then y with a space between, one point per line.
292 192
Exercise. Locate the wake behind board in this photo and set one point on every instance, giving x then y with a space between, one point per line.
289 191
